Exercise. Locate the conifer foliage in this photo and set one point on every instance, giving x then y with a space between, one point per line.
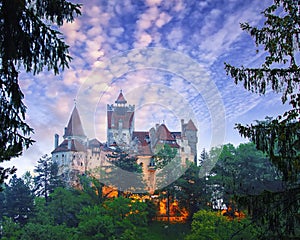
29 41
46 179
278 137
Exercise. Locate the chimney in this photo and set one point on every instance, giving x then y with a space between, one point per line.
182 128
56 140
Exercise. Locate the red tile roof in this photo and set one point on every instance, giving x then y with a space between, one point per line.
163 133
76 146
191 126
114 117
143 143
121 99
74 127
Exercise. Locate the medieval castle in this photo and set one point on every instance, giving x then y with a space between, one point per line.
76 154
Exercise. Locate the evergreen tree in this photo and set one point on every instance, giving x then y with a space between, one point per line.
203 156
278 137
124 172
241 171
28 180
191 192
30 40
164 156
46 179
19 200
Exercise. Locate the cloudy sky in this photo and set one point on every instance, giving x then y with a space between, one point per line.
168 59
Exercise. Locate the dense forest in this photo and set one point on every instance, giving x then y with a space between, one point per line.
40 206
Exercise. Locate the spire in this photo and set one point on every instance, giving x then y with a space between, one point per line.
74 127
191 126
121 99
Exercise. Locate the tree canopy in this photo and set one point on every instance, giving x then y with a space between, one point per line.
280 38
29 41
278 137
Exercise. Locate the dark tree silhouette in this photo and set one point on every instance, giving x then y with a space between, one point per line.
28 42
278 137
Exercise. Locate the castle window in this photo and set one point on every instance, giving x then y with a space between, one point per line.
81 164
120 124
182 149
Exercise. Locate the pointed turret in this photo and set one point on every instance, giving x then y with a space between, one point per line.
120 121
74 128
191 126
121 99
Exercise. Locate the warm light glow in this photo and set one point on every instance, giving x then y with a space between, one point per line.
175 213
230 214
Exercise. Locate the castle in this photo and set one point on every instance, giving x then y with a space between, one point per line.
76 154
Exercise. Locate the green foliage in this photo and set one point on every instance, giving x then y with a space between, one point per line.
124 172
163 231
92 190
34 231
122 160
10 229
94 223
165 154
211 225
189 190
46 179
280 38
41 215
64 206
119 218
242 170
203 156
17 201
278 137
30 41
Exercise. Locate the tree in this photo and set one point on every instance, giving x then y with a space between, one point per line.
124 172
164 156
18 201
92 189
64 206
119 218
46 179
29 41
212 225
189 190
240 172
203 156
33 231
278 137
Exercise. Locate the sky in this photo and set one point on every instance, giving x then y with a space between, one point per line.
167 57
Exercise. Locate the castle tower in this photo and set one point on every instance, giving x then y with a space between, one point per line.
70 155
189 131
120 122
74 130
